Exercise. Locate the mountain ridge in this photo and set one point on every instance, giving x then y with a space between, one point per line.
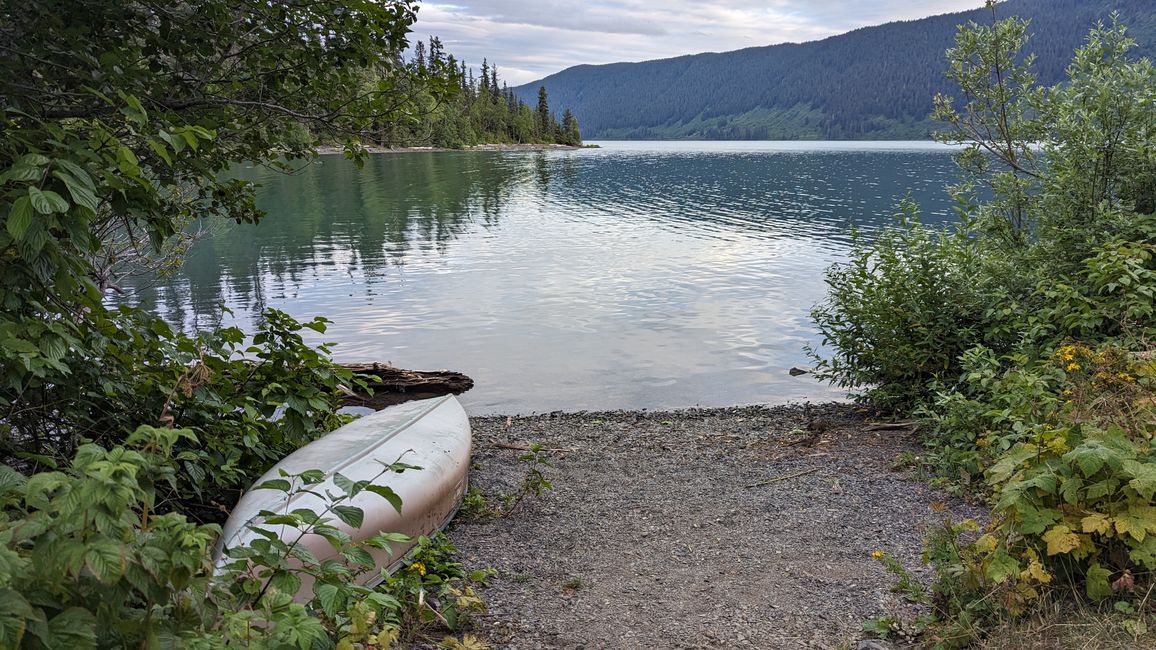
872 82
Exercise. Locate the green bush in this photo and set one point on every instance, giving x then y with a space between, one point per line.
121 438
250 401
900 313
1024 338
88 561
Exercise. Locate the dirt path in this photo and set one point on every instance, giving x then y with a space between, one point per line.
652 537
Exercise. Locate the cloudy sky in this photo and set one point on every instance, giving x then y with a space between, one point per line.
530 39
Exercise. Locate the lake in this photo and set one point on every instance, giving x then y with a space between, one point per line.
638 275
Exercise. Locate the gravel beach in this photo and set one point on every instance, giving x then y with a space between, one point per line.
703 528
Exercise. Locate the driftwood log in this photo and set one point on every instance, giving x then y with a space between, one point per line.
395 385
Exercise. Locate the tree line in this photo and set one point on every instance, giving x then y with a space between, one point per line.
482 110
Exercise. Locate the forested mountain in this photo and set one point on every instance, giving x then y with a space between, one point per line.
871 83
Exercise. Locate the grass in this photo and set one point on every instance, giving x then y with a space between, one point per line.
1064 625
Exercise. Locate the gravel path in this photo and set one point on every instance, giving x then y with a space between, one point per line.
657 536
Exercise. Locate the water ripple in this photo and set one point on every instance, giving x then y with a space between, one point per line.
637 275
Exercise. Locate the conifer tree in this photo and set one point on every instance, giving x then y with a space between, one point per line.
570 132
544 130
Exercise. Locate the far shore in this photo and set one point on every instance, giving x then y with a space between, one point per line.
373 148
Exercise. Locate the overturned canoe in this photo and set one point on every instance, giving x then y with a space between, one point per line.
433 434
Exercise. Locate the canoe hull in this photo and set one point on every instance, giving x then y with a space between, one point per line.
433 434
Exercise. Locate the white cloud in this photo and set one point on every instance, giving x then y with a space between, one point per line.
530 39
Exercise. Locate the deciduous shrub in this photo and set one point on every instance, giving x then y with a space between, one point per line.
1025 337
88 561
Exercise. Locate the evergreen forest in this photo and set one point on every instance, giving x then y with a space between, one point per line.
484 110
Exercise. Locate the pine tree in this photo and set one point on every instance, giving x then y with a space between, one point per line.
419 55
570 133
544 130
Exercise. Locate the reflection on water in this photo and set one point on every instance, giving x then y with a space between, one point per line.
639 275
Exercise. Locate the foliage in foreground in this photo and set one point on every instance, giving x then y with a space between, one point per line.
89 562
1025 336
122 439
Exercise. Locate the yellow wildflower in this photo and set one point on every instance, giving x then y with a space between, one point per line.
1125 377
1073 366
419 567
877 554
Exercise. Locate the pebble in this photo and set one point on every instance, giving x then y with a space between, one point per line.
625 517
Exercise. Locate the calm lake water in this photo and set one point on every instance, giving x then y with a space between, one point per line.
638 275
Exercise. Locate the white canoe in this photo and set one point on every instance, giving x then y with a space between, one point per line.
433 434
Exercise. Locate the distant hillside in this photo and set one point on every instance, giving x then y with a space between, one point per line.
872 83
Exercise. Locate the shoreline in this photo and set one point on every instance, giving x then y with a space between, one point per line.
743 526
329 150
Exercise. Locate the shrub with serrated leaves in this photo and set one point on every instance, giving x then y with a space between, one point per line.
250 402
88 562
1075 490
1042 383
119 125
1057 246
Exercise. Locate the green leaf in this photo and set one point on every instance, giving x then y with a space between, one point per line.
57 202
1101 489
384 601
359 556
34 160
281 520
1035 520
1000 566
105 559
77 172
281 485
81 195
344 483
287 582
336 538
127 162
306 556
386 540
1097 585
42 486
47 201
1144 552
1070 489
330 598
1093 455
74 628
19 217
387 493
1009 462
350 515
312 476
1144 478
134 110
22 173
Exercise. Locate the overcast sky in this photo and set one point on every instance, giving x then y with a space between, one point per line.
530 39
